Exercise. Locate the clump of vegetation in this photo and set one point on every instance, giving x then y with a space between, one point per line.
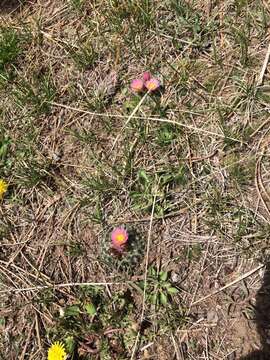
124 251
96 324
9 47
159 289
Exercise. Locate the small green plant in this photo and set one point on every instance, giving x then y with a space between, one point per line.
95 323
77 4
166 134
139 15
75 249
242 174
241 36
189 22
5 160
240 5
36 94
101 183
149 186
83 55
193 252
31 173
160 290
9 47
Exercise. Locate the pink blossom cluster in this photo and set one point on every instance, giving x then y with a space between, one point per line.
146 83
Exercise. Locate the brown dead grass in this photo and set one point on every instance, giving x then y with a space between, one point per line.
43 221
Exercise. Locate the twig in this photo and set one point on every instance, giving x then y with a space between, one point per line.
146 346
129 118
176 348
27 342
58 286
244 276
93 113
264 67
260 127
37 332
145 277
190 127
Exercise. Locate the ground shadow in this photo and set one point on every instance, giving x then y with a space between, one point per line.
262 318
9 6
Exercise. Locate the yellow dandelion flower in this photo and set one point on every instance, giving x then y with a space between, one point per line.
57 351
3 187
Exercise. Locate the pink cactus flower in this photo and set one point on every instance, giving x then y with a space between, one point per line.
146 76
152 85
119 239
137 85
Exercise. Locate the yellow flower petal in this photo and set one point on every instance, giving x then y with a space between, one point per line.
3 187
57 351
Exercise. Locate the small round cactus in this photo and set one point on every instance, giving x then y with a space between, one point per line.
122 249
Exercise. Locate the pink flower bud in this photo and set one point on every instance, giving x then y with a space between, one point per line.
146 76
137 85
119 239
152 85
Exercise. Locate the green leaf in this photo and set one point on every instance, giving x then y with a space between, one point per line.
152 271
3 149
90 309
163 299
172 290
70 344
154 299
72 310
131 104
2 321
141 284
163 275
143 177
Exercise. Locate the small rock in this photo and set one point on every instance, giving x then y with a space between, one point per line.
212 317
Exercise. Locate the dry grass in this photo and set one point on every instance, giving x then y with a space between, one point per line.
188 166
